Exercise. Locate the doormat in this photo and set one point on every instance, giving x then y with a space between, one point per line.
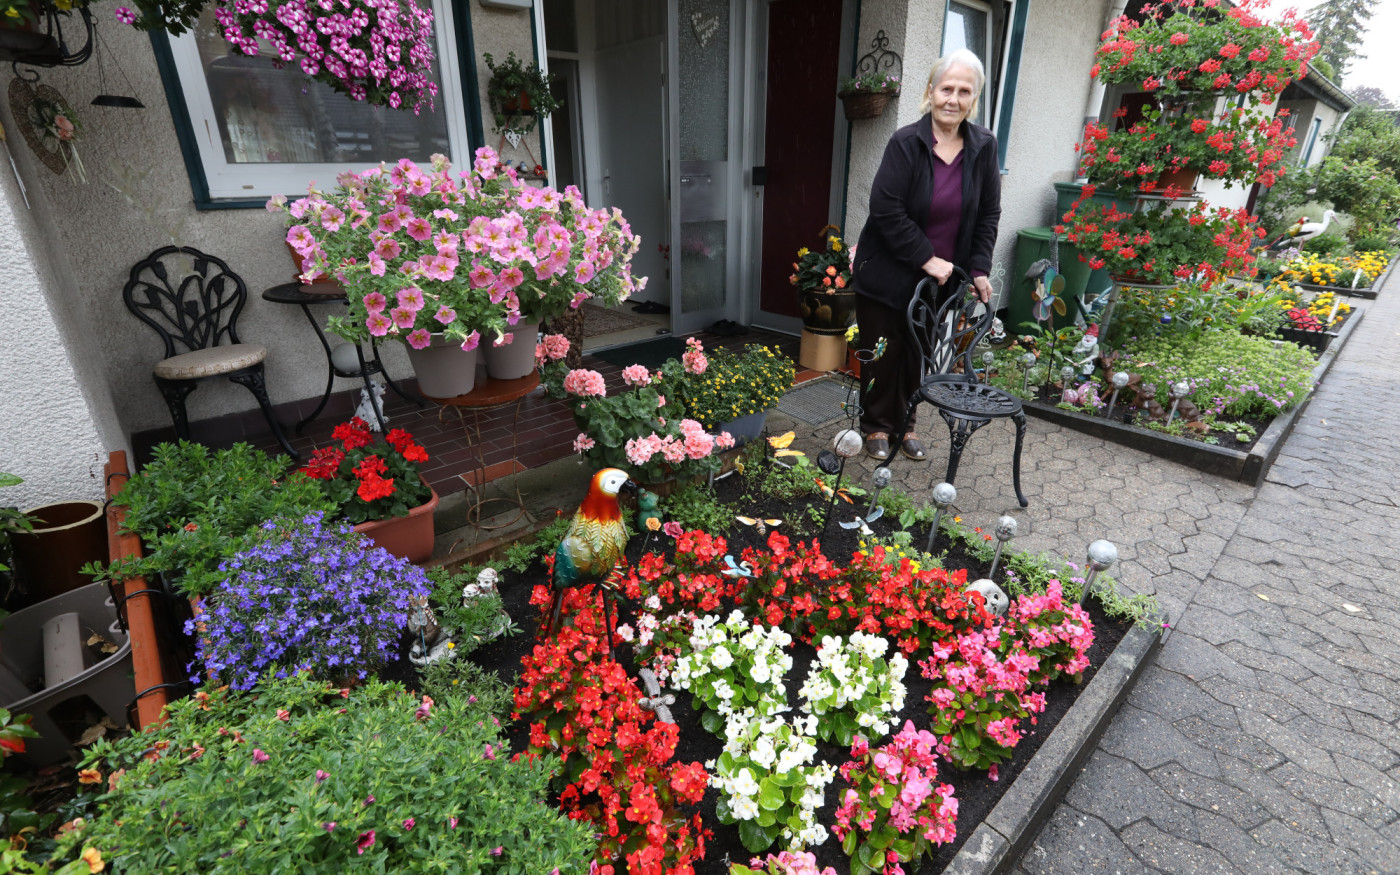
650 353
817 402
601 320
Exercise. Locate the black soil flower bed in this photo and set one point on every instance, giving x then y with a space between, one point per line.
976 794
1132 416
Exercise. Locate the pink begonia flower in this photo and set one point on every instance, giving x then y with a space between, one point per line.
636 375
472 340
375 302
445 315
420 338
583 443
378 324
403 317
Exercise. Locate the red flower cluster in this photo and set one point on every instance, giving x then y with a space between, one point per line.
618 770
368 480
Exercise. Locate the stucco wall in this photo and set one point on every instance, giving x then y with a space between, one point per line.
1046 122
56 430
138 198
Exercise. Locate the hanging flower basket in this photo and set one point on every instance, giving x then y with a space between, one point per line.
865 104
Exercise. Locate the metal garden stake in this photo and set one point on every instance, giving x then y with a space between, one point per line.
1120 379
1005 531
1102 555
943 495
1027 362
1066 377
987 358
1178 390
880 480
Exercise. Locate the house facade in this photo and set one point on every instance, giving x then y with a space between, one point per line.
712 124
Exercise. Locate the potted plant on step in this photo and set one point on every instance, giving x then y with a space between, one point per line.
519 93
378 487
737 390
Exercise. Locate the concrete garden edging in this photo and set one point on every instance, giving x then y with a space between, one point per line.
1246 466
999 841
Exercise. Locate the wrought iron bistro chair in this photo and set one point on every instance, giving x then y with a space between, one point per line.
192 300
946 335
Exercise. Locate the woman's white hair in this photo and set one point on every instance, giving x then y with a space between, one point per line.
958 58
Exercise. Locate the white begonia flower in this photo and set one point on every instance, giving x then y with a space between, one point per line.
763 753
813 835
787 761
760 674
813 798
865 719
736 618
745 784
653 603
721 658
744 807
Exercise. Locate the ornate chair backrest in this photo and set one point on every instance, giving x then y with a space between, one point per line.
948 332
189 298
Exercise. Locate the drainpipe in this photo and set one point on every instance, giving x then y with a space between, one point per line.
1097 89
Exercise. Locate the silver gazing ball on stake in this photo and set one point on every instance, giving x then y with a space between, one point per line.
1027 362
1176 392
847 443
1102 555
880 479
1120 379
943 495
987 358
1005 531
1066 378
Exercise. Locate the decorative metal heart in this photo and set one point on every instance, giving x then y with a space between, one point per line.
704 27
513 137
48 148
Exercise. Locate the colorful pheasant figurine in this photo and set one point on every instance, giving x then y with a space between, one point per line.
594 542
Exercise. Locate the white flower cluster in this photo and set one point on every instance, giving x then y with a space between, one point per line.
733 665
853 676
768 774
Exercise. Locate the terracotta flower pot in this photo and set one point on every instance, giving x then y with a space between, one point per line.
408 537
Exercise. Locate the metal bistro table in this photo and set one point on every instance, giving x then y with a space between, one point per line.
294 293
488 395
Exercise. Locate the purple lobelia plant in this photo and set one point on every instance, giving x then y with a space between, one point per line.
304 596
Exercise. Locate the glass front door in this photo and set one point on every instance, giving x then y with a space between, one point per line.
704 172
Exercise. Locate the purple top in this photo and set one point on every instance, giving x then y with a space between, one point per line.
945 210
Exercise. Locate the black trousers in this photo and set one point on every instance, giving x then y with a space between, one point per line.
895 375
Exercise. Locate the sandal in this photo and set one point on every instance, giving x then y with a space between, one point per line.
913 448
877 445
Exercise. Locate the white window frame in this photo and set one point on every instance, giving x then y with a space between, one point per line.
239 181
1314 131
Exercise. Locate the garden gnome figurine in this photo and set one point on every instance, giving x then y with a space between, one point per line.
594 542
995 599
433 642
647 502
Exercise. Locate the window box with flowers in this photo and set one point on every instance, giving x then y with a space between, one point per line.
378 487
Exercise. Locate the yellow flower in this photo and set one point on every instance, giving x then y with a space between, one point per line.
653 524
802 253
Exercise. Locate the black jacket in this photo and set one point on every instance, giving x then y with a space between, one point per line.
893 246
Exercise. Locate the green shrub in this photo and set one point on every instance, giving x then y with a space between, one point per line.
192 509
1326 244
1229 374
295 778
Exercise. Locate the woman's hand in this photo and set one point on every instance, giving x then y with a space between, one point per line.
984 288
938 269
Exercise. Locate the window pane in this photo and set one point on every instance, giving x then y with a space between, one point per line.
966 28
271 116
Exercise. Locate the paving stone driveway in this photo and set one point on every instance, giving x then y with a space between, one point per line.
1265 738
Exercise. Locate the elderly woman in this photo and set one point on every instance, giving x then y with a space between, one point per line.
935 202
